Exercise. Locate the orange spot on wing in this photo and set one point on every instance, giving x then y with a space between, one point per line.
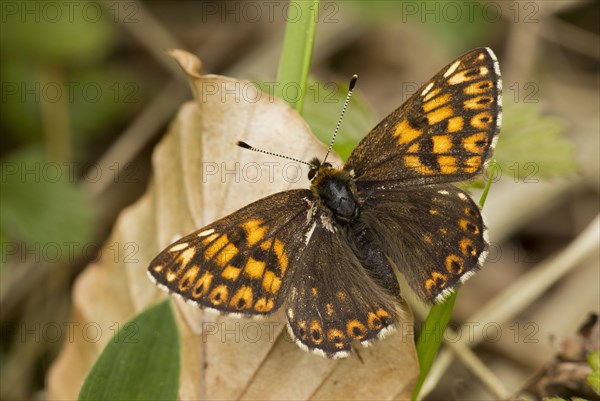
374 322
384 316
242 298
302 330
468 75
438 115
231 272
478 88
202 285
226 254
481 120
475 143
254 231
414 162
467 226
454 264
479 102
219 295
467 247
254 268
215 246
186 256
264 305
405 133
316 332
336 337
433 93
210 239
441 143
281 255
271 282
171 275
455 124
356 329
437 280
414 148
447 164
188 278
472 164
436 102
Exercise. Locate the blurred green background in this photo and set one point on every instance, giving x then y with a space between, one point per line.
87 91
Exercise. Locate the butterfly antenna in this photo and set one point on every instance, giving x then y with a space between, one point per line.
252 148
337 128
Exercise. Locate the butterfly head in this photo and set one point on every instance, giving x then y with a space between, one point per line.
317 167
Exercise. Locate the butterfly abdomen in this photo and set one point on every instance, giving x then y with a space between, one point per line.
373 258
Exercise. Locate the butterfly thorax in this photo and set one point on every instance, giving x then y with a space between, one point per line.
335 190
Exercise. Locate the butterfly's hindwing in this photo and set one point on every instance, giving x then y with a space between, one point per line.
334 301
434 234
242 262
442 133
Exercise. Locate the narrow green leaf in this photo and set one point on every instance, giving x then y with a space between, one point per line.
430 339
493 166
432 332
141 362
296 55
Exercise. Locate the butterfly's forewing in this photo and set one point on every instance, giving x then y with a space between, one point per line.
333 301
242 262
442 133
434 234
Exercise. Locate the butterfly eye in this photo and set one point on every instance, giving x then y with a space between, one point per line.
314 164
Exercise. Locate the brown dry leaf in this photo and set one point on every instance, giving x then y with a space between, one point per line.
199 176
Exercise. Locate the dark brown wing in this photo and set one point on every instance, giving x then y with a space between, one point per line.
433 233
334 301
443 133
243 262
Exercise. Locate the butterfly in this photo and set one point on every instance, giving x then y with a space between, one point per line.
327 254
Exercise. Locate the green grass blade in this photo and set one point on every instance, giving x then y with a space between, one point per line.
493 167
141 362
296 55
430 339
432 332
